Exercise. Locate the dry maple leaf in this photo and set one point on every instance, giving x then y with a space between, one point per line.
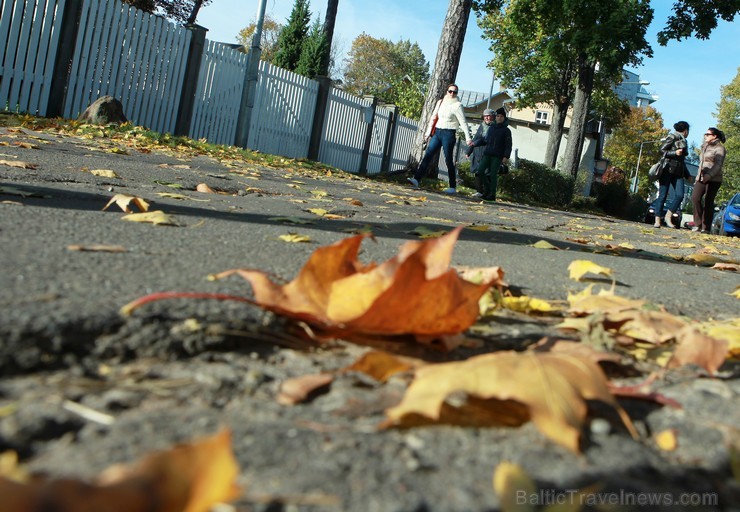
337 294
697 348
124 200
509 388
188 478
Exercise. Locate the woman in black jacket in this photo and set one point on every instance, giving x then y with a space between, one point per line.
497 152
674 172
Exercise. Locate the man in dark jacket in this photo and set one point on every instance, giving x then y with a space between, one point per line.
497 152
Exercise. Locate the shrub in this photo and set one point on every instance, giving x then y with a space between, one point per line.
535 183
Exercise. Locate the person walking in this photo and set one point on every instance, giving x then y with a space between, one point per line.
442 132
477 154
709 179
674 151
497 153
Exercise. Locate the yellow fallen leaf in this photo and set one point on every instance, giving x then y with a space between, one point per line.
544 244
579 268
104 173
606 237
511 483
706 260
424 232
499 390
319 193
318 211
118 151
526 304
667 440
157 217
382 366
479 227
182 197
294 238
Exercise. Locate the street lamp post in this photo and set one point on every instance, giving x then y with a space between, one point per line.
633 186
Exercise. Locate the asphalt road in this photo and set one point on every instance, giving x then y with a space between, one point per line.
162 378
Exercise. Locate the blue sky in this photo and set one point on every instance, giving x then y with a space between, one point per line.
686 75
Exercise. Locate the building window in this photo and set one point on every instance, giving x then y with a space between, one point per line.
542 117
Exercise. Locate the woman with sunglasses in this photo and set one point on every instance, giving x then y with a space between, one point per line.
442 131
709 179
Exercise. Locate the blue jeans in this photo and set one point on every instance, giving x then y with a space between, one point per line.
676 185
445 138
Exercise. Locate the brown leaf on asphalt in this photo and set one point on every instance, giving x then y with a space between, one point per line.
508 388
124 200
18 163
337 294
202 187
732 267
96 248
187 478
697 348
575 348
301 389
104 173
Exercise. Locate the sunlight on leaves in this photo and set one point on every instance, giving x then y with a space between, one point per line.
544 244
294 238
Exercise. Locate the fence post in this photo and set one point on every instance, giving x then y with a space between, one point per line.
190 78
63 58
390 139
369 112
319 116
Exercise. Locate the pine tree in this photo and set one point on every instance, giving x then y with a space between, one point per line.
293 36
315 46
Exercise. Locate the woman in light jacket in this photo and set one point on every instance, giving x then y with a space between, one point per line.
709 179
449 117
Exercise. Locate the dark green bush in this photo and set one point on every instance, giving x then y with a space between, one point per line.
614 199
535 183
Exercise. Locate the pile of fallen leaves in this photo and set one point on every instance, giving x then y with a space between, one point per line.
417 297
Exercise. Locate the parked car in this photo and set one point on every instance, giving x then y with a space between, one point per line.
726 220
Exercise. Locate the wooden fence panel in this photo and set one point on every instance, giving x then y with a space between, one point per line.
404 141
283 112
29 37
219 94
131 55
344 131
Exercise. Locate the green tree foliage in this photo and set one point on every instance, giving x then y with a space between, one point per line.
623 148
269 42
696 18
181 11
728 120
394 72
292 37
315 46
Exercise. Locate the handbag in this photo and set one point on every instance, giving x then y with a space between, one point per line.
504 169
435 118
656 170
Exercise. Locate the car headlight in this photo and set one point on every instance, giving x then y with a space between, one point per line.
733 216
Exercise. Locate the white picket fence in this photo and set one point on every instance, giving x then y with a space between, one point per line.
141 59
131 55
219 94
29 37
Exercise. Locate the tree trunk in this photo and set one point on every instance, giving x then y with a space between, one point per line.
197 4
329 22
576 133
445 69
559 114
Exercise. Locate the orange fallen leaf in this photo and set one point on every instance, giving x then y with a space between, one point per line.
697 348
382 366
187 478
509 388
300 389
124 200
336 293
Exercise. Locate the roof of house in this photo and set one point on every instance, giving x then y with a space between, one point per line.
471 99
